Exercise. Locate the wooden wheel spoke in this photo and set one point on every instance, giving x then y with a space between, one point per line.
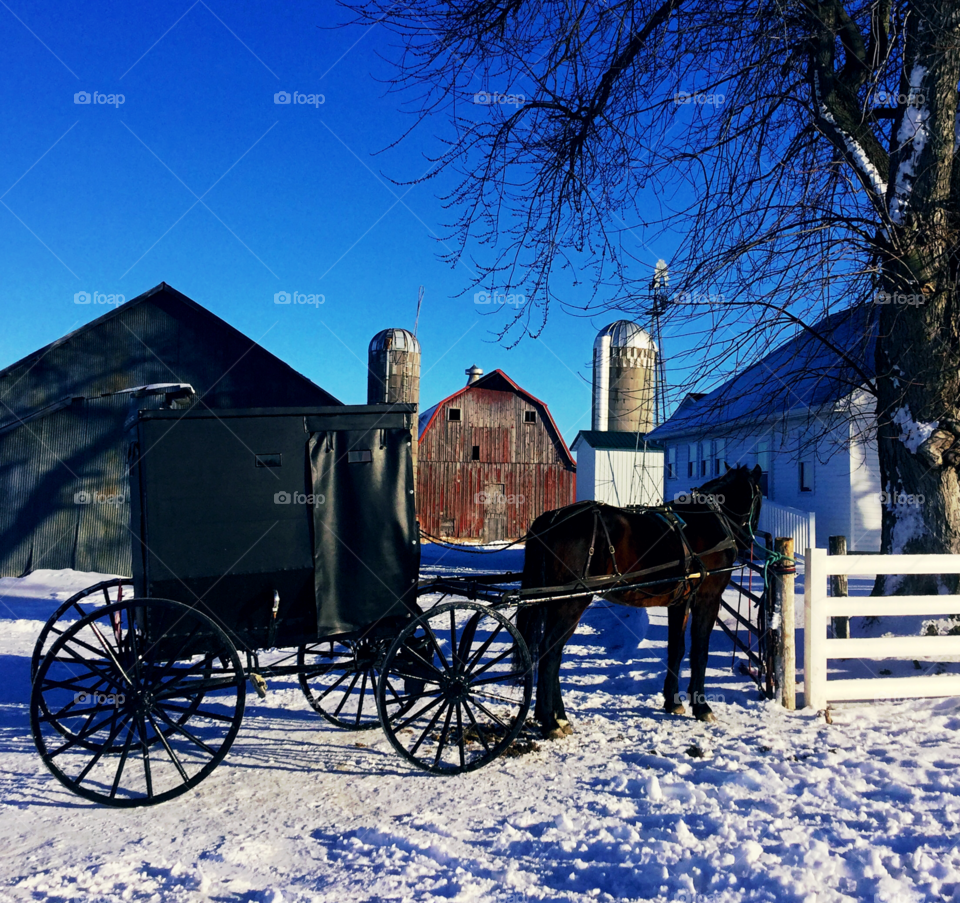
173 756
443 736
409 719
197 713
497 678
494 661
427 730
206 686
71 683
408 649
98 755
171 663
346 695
476 726
460 741
437 649
123 759
79 737
182 730
489 714
363 690
484 646
486 694
145 756
334 686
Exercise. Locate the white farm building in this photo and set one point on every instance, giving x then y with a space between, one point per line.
802 414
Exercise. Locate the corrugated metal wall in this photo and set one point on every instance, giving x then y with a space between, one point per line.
517 460
46 461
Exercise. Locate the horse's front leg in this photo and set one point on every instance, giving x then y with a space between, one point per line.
561 625
704 617
677 625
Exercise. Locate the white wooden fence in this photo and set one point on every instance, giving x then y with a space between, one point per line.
780 520
819 608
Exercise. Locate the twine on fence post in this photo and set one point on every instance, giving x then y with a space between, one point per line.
784 578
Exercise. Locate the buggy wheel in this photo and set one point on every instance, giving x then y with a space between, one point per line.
105 593
339 679
455 688
111 698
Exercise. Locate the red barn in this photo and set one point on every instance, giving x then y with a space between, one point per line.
491 459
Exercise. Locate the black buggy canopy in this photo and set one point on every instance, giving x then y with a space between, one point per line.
234 508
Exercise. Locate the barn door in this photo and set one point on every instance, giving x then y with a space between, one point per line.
494 513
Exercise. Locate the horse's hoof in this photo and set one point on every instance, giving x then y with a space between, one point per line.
567 728
555 733
675 709
707 717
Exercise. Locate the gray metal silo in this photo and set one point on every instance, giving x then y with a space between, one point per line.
624 378
393 373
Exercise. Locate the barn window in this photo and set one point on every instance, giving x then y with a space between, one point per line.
529 416
806 476
446 527
453 415
475 454
672 462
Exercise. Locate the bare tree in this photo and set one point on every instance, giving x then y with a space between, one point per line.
802 153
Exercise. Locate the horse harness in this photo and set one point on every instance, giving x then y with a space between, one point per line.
694 571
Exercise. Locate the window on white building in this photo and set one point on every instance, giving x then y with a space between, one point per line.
806 476
704 457
719 457
692 459
672 462
763 459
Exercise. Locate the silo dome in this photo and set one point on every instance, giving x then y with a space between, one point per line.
624 378
395 340
625 334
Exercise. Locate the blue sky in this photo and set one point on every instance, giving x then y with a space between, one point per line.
198 178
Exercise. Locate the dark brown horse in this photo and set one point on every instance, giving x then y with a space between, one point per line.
682 552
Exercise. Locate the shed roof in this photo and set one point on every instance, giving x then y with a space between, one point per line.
496 380
615 440
804 373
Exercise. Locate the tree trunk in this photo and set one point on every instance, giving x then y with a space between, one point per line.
918 349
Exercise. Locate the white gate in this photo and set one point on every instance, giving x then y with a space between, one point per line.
819 608
780 520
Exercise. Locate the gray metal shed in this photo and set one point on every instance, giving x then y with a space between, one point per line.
63 479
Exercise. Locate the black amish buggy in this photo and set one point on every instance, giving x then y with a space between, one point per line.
284 542
268 542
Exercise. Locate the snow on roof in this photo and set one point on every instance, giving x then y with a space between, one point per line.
614 440
800 374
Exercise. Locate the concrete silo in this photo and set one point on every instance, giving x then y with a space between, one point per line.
393 373
624 379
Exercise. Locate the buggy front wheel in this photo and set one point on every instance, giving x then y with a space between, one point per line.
455 688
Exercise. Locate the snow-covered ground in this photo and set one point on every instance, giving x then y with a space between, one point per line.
763 805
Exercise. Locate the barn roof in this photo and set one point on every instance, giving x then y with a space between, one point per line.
170 298
496 380
804 373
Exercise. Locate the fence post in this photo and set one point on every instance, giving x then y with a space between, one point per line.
815 629
785 576
838 586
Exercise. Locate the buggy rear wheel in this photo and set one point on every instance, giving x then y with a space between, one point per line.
339 679
104 593
112 695
455 688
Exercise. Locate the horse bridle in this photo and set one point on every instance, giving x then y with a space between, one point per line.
735 530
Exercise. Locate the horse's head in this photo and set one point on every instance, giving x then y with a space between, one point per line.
738 495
